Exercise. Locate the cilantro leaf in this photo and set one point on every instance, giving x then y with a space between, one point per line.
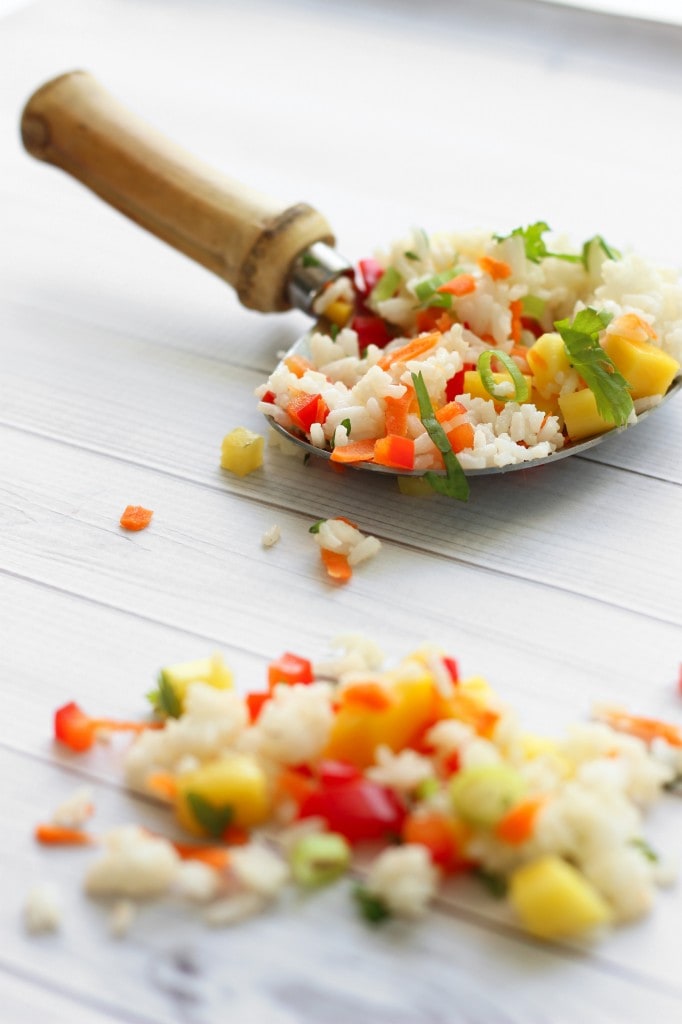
212 819
581 341
372 908
409 255
315 528
455 483
164 699
535 246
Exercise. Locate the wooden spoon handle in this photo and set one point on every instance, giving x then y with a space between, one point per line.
247 239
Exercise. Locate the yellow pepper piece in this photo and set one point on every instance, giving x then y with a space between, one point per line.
554 901
242 451
339 312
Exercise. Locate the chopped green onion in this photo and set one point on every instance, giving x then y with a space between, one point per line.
491 385
424 289
581 341
315 528
386 286
372 908
319 859
164 699
644 848
609 251
455 483
534 244
533 306
346 424
409 255
443 300
495 884
333 331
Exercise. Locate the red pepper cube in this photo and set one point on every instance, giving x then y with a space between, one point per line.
255 702
370 273
73 727
394 451
290 669
371 330
306 409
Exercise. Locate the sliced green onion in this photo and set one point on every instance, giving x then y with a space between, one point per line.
495 883
491 385
426 789
608 250
409 255
315 528
333 331
372 907
319 859
533 306
455 483
424 289
386 286
346 424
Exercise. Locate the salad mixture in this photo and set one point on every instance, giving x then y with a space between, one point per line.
454 353
407 778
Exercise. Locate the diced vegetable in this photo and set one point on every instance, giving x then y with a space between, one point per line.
521 388
554 901
581 415
232 790
359 810
242 451
320 859
394 451
174 680
289 668
483 794
135 517
647 369
581 339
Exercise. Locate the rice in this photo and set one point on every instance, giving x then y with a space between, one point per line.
516 291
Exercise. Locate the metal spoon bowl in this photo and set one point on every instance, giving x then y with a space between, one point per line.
275 257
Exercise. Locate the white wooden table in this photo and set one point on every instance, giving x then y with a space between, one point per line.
123 365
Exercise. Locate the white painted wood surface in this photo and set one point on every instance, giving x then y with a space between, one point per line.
122 366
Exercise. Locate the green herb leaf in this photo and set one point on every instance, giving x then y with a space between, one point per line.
372 908
495 884
609 251
213 820
409 255
455 483
533 306
164 699
386 286
520 393
346 424
334 331
581 341
534 244
315 528
644 848
308 260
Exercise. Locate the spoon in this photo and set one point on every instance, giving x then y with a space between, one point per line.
275 257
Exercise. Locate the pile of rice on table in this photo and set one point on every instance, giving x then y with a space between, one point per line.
426 773
522 347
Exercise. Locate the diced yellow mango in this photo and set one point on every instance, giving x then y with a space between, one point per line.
473 385
548 360
550 405
554 901
242 451
581 416
235 781
211 670
358 731
647 368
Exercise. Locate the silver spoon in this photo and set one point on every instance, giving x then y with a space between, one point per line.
275 257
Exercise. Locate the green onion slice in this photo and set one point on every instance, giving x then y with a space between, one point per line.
521 390
455 483
386 286
319 859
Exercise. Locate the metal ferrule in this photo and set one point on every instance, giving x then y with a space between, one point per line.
314 268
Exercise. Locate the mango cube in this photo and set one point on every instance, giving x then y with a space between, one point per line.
554 901
548 360
581 416
242 451
647 369
233 788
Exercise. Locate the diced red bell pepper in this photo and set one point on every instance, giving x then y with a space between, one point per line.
359 810
289 668
305 410
370 273
455 386
269 397
395 451
255 702
452 668
73 727
371 330
337 773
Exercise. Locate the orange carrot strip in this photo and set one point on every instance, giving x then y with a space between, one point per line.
163 785
293 785
114 725
298 365
516 310
337 565
216 857
461 437
355 451
372 696
135 517
647 729
449 411
397 411
518 824
61 835
394 451
349 522
497 269
412 350
463 284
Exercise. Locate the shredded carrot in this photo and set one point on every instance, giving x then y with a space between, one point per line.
60 835
216 857
397 412
497 269
516 310
412 350
298 365
114 725
337 565
518 824
394 451
135 517
163 785
449 411
371 696
463 284
355 451
647 729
